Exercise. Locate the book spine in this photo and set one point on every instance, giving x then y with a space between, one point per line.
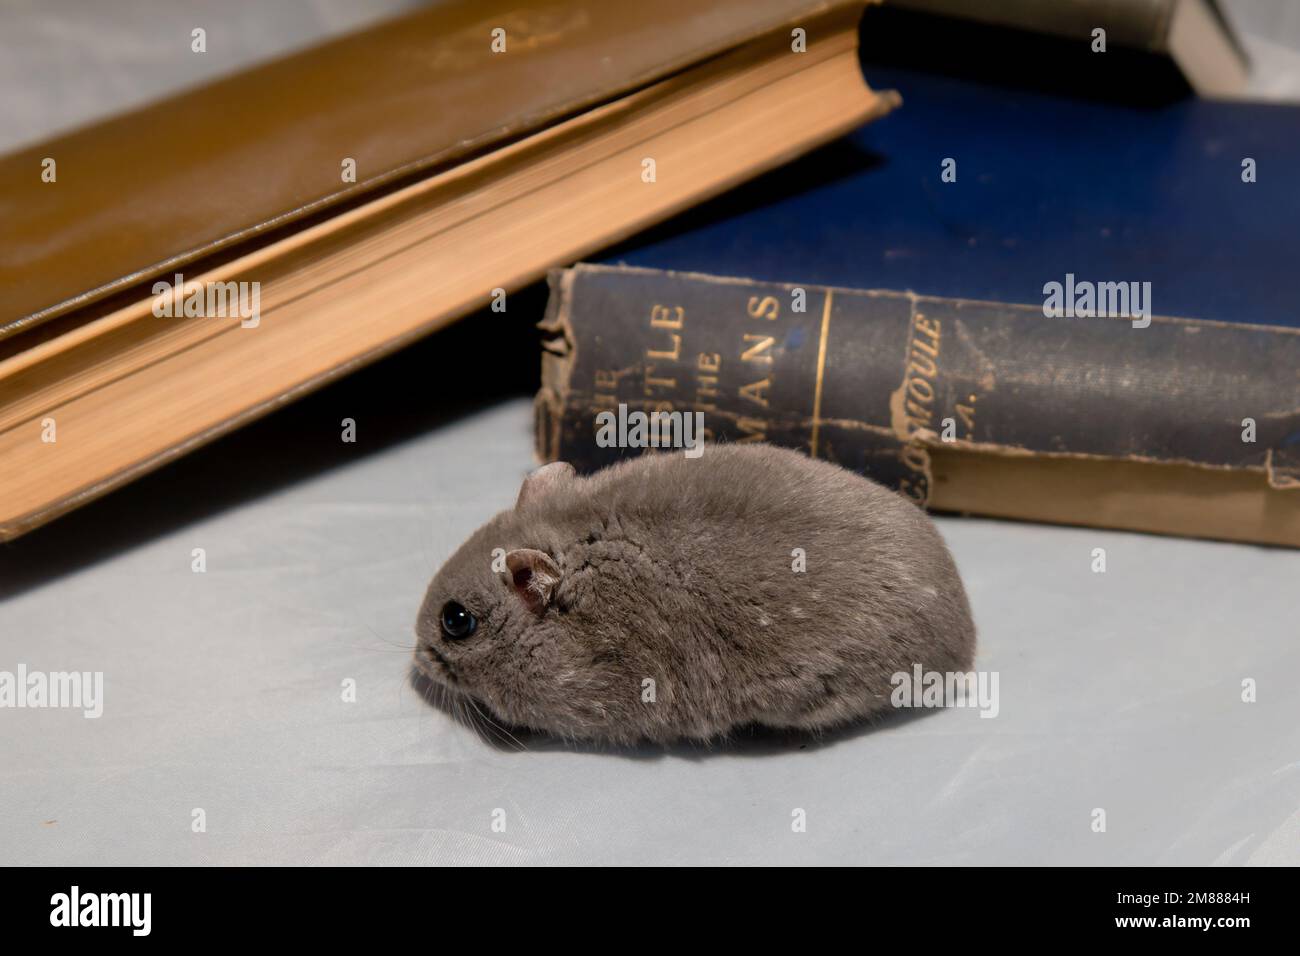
1142 24
878 381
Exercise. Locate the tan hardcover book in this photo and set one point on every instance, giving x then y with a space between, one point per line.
145 327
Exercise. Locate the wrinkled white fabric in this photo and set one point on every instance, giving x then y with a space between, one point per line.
223 692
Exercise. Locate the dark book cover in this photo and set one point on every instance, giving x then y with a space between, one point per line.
922 392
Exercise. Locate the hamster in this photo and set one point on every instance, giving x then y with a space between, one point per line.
665 598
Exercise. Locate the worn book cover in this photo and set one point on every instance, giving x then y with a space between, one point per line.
97 210
1153 423
274 286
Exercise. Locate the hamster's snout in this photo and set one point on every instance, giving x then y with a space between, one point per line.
443 627
432 664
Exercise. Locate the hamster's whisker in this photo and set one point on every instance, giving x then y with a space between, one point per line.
394 646
493 723
477 721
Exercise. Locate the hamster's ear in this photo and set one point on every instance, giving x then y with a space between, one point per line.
544 480
533 576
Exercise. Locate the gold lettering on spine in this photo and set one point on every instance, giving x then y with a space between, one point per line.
920 389
754 391
708 365
758 352
754 349
653 381
922 364
765 308
672 356
913 403
967 415
821 373
663 317
922 372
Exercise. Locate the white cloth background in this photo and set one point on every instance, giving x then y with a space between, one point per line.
223 692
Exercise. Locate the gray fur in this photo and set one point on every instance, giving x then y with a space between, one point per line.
680 570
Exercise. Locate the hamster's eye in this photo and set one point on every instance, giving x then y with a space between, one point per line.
457 623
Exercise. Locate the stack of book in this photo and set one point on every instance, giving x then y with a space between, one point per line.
1073 304
1066 301
177 271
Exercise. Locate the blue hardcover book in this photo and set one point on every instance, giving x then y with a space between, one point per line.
1000 300
1199 198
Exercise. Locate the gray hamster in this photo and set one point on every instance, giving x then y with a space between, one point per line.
663 598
